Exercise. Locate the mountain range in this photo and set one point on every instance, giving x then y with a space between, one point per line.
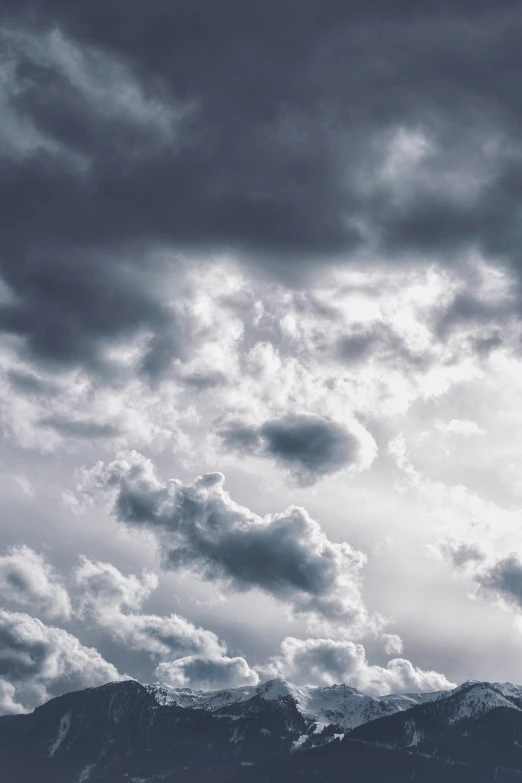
132 732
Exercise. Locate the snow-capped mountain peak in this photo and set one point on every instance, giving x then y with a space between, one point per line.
474 698
341 705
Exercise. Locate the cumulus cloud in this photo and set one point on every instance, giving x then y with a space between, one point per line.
310 447
112 601
189 656
329 661
38 661
207 673
27 579
8 703
104 588
199 526
393 644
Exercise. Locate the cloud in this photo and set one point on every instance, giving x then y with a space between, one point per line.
462 427
137 136
462 554
27 579
30 384
329 661
393 644
504 579
357 165
8 703
189 656
265 157
500 577
207 673
310 447
79 428
78 110
199 526
104 588
112 601
40 661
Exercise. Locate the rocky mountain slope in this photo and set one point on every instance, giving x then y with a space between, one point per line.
139 733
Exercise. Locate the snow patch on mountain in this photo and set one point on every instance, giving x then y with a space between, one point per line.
63 728
477 698
85 774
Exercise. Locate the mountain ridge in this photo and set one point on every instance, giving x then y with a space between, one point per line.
131 731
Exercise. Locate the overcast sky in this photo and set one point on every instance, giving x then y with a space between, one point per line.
260 343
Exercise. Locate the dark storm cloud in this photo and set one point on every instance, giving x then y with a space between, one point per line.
68 308
310 447
264 128
200 527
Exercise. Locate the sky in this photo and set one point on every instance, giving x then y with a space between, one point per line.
260 344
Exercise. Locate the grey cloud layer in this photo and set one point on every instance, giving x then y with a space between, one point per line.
293 133
199 526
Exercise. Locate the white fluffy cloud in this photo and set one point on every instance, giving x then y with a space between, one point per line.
327 661
207 673
112 601
189 656
38 661
8 703
27 579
